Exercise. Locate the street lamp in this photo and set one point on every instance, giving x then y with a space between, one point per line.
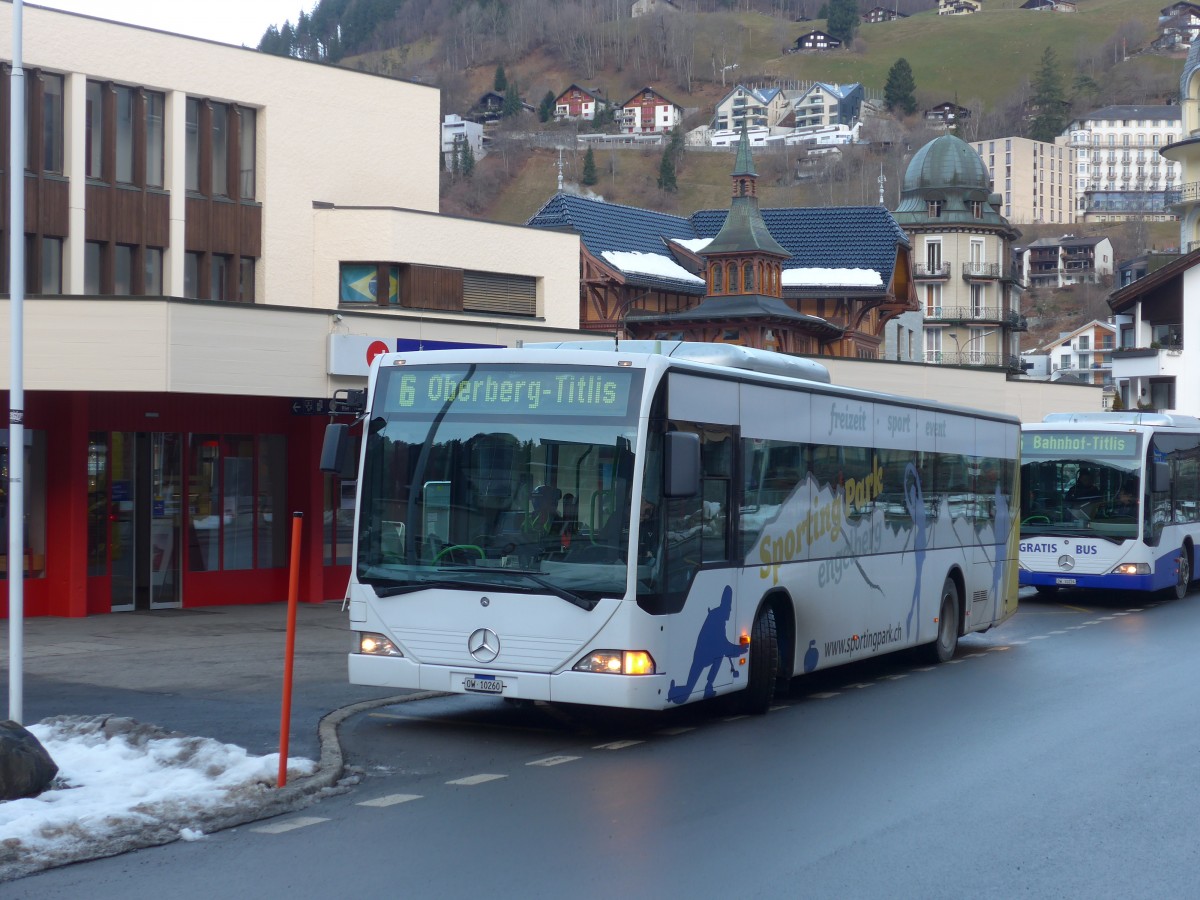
960 349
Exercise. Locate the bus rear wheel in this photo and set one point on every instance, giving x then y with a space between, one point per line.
759 693
942 649
1185 573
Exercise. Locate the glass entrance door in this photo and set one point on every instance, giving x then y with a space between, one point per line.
145 520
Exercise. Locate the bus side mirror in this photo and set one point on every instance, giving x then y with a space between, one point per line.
334 447
1162 478
682 477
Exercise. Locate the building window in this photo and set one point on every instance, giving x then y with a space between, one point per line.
155 141
124 133
123 270
220 150
237 502
977 209
935 209
191 275
34 501
218 277
92 259
192 151
747 279
246 279
718 276
152 259
360 283
247 121
51 268
44 98
93 151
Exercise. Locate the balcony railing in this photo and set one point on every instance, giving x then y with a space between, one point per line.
996 314
980 270
924 270
1190 192
973 358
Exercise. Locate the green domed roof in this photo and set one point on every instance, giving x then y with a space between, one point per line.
946 162
949 176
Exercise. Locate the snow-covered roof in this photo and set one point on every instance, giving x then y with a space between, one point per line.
831 278
649 264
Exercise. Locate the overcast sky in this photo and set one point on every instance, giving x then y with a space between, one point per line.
231 21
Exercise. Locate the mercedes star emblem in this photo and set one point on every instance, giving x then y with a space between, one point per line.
483 645
1066 563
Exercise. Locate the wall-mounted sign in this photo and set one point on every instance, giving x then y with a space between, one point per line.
351 354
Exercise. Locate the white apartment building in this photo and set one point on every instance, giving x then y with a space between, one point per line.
461 133
1119 172
1033 178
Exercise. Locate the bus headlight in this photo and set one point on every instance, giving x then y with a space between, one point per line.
617 662
1132 569
373 644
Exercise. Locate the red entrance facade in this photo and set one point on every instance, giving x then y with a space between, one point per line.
140 501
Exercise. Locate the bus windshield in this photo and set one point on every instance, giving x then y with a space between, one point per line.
491 476
1081 483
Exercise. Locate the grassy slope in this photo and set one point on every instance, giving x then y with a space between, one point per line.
978 57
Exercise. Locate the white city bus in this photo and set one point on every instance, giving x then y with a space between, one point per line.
1110 500
654 523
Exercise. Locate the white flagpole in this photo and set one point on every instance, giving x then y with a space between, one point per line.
16 389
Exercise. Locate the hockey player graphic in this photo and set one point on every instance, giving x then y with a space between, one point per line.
713 647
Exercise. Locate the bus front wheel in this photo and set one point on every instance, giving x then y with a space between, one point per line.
942 649
764 663
1185 573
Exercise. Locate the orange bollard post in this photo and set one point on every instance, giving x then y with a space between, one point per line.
289 653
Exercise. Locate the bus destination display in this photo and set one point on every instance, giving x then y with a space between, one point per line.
1078 443
500 391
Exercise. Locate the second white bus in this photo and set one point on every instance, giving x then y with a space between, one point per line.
1110 500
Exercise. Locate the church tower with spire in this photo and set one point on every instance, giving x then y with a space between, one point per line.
743 258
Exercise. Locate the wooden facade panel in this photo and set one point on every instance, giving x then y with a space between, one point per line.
98 213
128 208
431 287
250 230
197 228
223 237
53 208
158 219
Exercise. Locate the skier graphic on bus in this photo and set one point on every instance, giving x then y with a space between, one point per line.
713 647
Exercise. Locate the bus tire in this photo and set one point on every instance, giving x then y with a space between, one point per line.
1185 573
763 676
946 642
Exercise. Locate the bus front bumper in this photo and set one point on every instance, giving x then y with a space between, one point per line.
625 691
1106 582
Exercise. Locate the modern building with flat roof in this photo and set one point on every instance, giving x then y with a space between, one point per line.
216 240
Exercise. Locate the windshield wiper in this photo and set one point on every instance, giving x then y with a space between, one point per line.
563 593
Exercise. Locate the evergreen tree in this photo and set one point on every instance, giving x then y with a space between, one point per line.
468 160
666 172
1049 100
589 168
843 20
546 107
900 91
512 101
455 162
500 83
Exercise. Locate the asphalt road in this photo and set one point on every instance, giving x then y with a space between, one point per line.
1054 757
